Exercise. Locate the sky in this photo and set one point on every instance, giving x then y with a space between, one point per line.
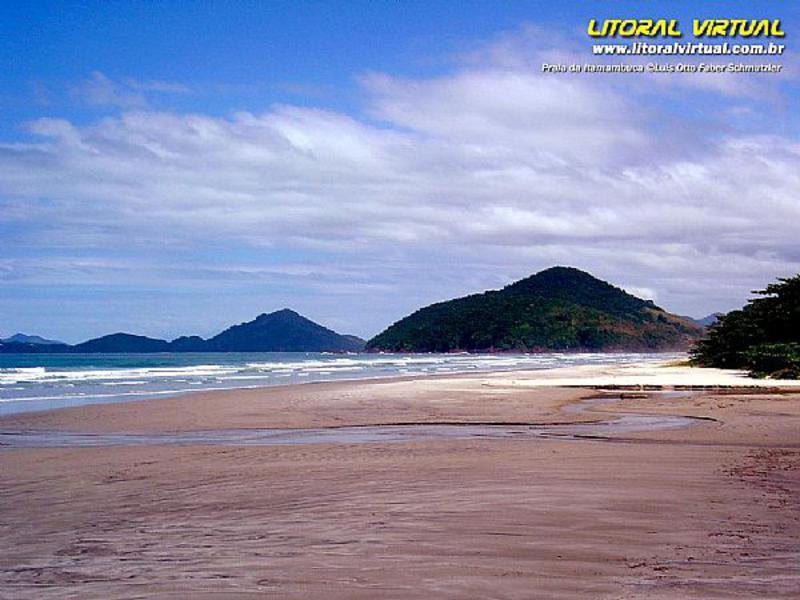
173 168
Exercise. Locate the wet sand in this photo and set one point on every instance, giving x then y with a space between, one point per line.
709 511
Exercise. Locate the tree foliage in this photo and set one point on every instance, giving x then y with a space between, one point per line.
762 337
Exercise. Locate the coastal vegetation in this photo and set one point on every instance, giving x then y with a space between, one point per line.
763 337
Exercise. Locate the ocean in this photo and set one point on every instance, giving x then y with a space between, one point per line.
34 382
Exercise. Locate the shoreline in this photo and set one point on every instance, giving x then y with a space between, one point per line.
635 377
708 511
41 403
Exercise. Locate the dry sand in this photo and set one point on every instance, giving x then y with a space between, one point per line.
712 511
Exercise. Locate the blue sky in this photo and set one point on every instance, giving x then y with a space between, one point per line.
170 168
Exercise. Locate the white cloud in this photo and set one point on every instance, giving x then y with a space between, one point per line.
99 90
494 169
129 94
642 292
158 85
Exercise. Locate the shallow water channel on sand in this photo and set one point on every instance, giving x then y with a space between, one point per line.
611 425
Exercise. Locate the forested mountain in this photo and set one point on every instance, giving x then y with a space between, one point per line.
560 308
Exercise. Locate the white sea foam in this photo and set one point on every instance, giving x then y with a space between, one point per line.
67 381
41 374
15 375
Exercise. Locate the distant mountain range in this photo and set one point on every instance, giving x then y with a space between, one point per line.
21 338
281 331
560 308
708 320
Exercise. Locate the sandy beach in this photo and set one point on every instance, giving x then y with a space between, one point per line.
711 510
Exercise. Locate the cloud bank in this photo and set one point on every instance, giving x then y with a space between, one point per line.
440 186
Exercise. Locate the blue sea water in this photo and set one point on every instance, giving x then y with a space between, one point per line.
33 382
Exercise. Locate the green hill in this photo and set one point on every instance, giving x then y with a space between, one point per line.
557 309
